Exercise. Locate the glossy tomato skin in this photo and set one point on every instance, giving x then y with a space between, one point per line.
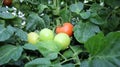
46 34
7 2
66 28
63 39
33 37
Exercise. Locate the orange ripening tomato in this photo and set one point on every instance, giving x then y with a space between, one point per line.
66 28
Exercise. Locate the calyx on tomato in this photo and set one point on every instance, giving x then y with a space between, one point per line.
66 28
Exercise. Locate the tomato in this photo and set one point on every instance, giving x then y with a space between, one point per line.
66 28
33 37
63 39
7 2
46 34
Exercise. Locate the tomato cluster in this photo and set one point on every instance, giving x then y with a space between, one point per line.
62 35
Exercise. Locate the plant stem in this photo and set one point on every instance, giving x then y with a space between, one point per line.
76 56
28 58
62 56
67 60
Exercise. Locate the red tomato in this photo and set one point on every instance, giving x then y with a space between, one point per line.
7 2
66 28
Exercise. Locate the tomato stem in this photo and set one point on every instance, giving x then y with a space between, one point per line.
62 56
75 56
67 60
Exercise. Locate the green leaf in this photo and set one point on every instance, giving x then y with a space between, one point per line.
83 31
69 65
96 19
41 7
39 62
84 63
21 34
17 22
6 33
56 65
113 40
2 9
113 3
2 23
95 7
49 49
77 7
29 46
65 14
98 63
68 53
6 15
104 50
33 2
47 20
76 49
1 27
101 63
85 15
112 23
34 21
9 52
95 44
52 55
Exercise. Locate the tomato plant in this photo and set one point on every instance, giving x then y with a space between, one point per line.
65 33
67 28
7 2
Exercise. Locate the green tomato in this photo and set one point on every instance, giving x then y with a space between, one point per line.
33 37
46 34
63 39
